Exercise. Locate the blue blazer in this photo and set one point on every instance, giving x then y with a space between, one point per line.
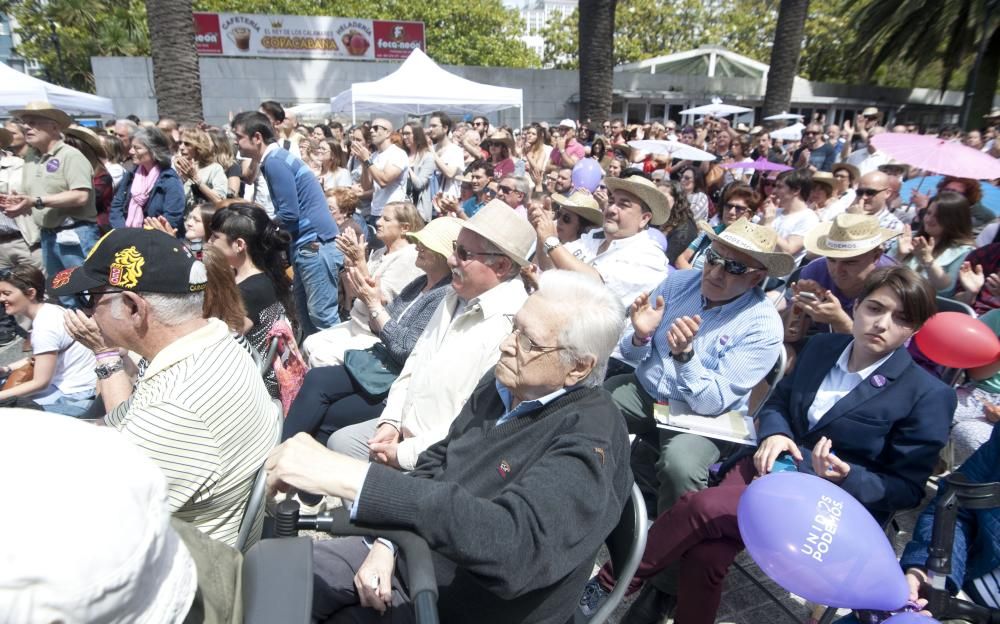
977 533
167 199
890 433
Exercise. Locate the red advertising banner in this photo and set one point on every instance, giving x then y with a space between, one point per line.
301 36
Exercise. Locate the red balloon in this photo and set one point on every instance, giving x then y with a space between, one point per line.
957 340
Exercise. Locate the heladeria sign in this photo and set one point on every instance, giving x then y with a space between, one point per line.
302 36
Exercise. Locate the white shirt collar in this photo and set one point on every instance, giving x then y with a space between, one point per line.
845 357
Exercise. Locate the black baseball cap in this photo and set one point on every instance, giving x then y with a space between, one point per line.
137 260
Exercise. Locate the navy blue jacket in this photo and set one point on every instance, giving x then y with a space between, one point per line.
299 204
977 533
890 435
167 199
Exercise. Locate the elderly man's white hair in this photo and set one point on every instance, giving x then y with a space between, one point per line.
117 559
594 322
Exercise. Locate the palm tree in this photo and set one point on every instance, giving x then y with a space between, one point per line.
912 30
176 77
785 53
597 63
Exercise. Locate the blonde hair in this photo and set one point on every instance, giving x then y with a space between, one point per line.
200 144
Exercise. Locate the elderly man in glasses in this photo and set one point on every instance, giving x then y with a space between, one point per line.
518 496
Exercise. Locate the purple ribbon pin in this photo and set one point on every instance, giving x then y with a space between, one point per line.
52 166
878 381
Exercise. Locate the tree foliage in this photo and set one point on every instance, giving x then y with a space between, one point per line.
458 33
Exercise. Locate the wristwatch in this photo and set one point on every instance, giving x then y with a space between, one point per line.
551 243
103 371
39 203
683 357
370 161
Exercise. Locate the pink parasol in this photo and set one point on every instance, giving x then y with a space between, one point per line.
938 155
761 164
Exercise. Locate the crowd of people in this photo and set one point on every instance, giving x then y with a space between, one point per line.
481 332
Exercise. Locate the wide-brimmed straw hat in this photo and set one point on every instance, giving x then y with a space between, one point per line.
848 235
46 110
439 235
824 178
6 137
581 204
646 191
88 137
854 171
756 241
511 233
502 137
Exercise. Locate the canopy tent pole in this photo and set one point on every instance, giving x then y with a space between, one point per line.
354 112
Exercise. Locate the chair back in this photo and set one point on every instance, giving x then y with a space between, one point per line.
252 524
626 543
765 387
277 581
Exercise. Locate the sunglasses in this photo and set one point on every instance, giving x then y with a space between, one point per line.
738 209
464 254
87 299
563 216
869 192
732 267
488 192
507 189
378 127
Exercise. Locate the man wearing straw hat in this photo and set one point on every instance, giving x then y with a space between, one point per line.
705 338
850 247
58 189
620 254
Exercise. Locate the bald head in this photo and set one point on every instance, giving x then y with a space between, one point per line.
873 191
381 130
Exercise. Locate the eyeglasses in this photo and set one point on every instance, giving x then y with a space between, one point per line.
738 209
477 123
565 216
87 300
490 193
870 192
524 343
378 127
464 254
732 267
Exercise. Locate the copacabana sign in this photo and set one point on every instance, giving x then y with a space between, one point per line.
301 36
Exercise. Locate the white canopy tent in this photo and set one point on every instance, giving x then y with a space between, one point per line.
17 89
419 87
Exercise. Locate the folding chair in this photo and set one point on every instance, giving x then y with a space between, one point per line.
767 384
252 524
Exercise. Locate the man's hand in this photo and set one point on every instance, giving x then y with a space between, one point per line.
826 309
18 205
304 464
374 578
360 151
680 336
826 464
160 223
971 279
645 317
770 449
84 330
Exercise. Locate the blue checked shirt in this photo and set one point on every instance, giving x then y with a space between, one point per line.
735 347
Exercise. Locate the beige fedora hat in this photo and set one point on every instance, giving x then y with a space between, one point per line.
439 235
848 235
87 136
824 178
581 204
5 137
502 137
46 110
849 168
757 241
646 191
498 223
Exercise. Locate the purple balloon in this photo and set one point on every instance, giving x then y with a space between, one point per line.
910 617
815 540
587 174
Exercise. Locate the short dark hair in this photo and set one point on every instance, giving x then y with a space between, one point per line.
273 109
253 123
481 164
800 180
134 119
336 125
445 120
916 293
745 191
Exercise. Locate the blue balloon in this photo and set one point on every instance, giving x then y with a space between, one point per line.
587 174
818 542
909 617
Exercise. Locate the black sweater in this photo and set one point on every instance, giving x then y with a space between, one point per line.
514 514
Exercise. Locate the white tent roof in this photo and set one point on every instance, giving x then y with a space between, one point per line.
420 86
17 89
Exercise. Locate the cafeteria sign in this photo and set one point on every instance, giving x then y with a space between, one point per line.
301 36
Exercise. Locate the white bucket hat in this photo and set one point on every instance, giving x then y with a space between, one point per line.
498 223
111 556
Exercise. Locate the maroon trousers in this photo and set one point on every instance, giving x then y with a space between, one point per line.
700 531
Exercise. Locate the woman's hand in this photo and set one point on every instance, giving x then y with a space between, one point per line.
352 248
160 223
183 167
971 279
366 288
904 246
541 220
645 316
374 578
923 248
826 464
770 449
916 579
84 330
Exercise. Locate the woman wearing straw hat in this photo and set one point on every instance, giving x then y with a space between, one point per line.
90 146
501 145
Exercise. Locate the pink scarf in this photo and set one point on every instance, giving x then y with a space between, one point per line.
142 188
